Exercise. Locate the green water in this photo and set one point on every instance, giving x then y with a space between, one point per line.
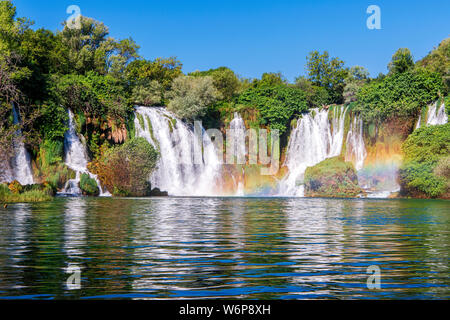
248 248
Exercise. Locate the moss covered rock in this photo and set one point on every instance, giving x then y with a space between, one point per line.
332 178
88 185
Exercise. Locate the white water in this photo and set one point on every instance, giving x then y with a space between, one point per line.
76 159
315 139
436 118
21 161
236 137
355 147
183 169
434 115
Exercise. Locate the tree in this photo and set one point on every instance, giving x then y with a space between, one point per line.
327 73
225 80
438 61
357 77
163 70
191 96
147 94
89 48
402 61
315 96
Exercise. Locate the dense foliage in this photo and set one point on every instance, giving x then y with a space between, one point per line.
332 177
425 169
277 104
125 169
191 96
43 73
400 94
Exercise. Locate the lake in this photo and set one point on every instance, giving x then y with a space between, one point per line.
225 248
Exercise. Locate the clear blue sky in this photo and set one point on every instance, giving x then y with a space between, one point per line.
253 37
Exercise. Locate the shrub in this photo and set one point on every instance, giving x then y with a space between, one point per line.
332 177
426 162
29 193
126 169
88 185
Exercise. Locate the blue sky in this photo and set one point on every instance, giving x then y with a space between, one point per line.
253 37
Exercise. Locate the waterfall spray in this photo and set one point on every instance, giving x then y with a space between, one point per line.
315 139
183 169
21 161
76 159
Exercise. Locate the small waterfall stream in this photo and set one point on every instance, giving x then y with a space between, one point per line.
355 147
183 169
77 160
21 162
315 139
434 115
437 116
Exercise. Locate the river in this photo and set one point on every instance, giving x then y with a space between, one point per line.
244 248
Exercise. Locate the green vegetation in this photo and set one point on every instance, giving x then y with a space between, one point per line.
327 73
425 169
101 78
191 96
402 61
88 185
332 177
32 193
438 61
397 95
125 169
276 104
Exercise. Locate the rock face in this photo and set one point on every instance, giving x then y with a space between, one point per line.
158 193
332 177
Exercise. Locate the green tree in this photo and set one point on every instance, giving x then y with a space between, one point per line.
224 79
327 73
190 97
402 61
357 77
163 70
438 61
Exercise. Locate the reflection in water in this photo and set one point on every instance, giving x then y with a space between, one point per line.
265 248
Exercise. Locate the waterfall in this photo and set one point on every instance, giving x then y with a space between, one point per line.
436 117
418 122
236 136
183 169
315 139
356 149
76 159
21 161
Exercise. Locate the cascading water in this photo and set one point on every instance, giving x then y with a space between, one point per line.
436 117
315 139
355 147
236 135
21 162
76 159
183 169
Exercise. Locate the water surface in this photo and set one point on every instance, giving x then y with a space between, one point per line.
249 248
